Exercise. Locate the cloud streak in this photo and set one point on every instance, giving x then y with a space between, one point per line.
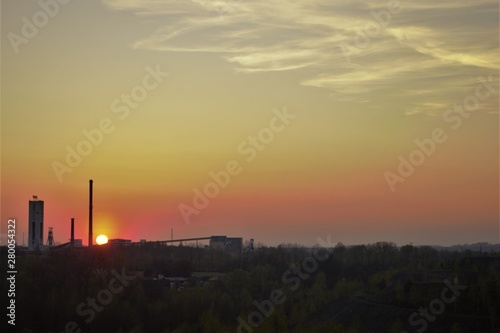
427 41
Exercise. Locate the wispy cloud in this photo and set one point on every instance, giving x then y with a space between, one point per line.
431 109
431 42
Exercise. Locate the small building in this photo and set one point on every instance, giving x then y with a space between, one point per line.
119 242
232 245
217 242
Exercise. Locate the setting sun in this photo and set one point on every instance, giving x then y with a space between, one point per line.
101 239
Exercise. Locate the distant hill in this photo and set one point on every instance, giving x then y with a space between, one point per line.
476 247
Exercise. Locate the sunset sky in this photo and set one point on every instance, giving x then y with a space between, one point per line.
360 80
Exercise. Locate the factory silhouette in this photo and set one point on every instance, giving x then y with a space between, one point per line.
231 245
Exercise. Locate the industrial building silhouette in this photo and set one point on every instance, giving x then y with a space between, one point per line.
35 223
233 245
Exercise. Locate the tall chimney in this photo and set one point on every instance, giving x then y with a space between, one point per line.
90 211
72 232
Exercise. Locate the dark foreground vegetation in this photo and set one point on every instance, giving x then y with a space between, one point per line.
367 288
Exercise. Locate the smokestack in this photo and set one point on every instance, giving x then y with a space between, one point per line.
90 212
72 232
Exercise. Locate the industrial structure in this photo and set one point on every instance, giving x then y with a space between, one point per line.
227 244
231 245
117 242
72 235
50 237
73 243
91 182
35 224
250 245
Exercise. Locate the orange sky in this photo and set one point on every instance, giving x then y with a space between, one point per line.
154 96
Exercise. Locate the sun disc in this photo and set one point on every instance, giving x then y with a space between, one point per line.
101 239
